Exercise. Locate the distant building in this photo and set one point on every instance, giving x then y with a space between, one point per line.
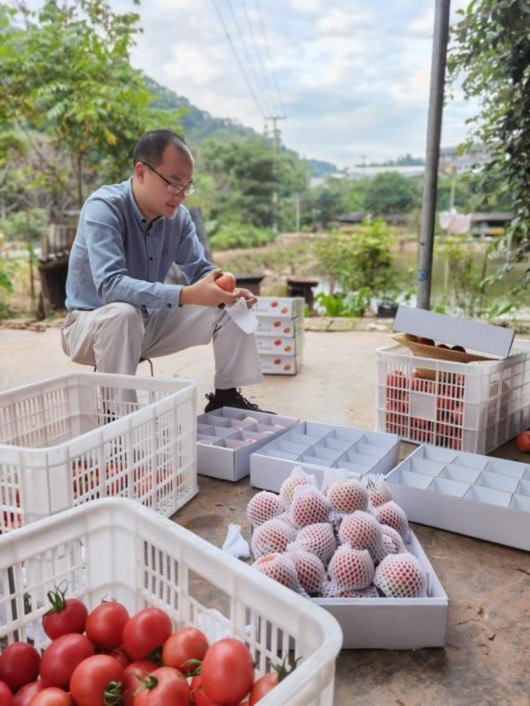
489 224
453 163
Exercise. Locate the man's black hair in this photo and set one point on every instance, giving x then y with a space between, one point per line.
150 147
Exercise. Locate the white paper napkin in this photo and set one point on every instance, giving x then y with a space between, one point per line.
244 317
235 544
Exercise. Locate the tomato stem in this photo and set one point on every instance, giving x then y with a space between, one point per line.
112 695
57 600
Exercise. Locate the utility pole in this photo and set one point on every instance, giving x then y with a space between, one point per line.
434 129
276 148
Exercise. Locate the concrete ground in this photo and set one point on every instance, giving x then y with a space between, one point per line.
486 657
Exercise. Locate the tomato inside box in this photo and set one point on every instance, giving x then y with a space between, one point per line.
474 406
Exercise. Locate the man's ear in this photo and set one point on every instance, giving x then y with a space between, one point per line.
139 171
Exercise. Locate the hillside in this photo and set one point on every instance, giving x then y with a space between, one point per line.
199 125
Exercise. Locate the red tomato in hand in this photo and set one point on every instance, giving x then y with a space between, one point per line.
131 683
65 615
19 664
227 671
62 657
104 626
167 686
182 646
25 696
146 631
523 441
6 695
52 696
94 679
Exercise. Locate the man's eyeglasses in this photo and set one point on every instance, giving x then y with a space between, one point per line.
171 187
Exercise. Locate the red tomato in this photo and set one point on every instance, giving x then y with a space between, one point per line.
198 697
19 664
131 683
95 679
184 645
52 696
227 671
24 696
6 696
62 657
65 615
523 441
104 626
121 656
165 686
146 631
262 686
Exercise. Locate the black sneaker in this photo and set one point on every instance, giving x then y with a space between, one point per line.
236 401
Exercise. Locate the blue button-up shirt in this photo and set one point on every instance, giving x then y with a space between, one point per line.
118 256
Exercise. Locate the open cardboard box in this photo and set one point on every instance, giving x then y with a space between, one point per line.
451 330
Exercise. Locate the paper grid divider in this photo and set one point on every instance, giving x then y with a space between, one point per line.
117 548
149 454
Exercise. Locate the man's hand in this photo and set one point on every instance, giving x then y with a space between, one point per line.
205 292
247 295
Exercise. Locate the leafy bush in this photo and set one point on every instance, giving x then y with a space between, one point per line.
353 304
239 235
14 227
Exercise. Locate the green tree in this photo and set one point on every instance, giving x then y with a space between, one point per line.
67 87
390 192
492 53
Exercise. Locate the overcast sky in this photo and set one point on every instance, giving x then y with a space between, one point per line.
350 76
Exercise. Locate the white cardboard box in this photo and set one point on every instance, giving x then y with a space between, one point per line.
394 623
225 440
280 345
317 447
279 306
279 325
495 340
280 364
479 496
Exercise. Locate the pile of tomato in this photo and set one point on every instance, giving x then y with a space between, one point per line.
109 658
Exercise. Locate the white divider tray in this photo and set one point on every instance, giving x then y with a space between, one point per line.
316 447
479 496
115 548
227 436
394 623
74 438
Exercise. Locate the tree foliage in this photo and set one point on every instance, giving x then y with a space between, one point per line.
391 192
67 88
492 53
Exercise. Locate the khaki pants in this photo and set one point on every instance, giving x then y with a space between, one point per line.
116 336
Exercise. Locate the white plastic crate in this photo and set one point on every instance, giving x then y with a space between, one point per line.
117 548
479 496
472 407
78 437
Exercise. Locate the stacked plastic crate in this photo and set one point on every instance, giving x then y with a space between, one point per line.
280 336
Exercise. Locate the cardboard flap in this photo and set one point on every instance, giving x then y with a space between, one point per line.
494 340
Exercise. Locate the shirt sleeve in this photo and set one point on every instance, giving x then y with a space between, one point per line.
104 228
190 254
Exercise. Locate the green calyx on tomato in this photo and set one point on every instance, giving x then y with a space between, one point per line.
112 696
57 600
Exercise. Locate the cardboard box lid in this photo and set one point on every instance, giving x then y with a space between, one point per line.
452 330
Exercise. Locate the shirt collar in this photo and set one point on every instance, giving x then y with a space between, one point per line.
142 220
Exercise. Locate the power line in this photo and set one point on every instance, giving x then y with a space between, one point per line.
269 86
269 55
250 62
236 55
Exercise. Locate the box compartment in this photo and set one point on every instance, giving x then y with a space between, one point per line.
479 496
316 447
227 437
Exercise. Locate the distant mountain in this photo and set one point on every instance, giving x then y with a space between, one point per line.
199 125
